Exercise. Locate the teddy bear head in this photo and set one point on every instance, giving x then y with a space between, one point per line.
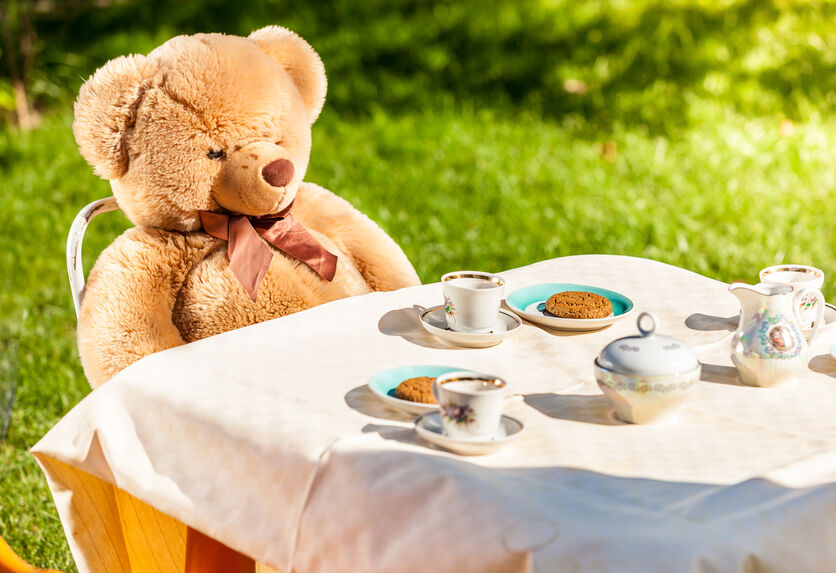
208 122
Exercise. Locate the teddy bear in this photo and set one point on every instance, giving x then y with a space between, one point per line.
205 142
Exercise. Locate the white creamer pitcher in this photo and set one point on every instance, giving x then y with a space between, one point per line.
768 348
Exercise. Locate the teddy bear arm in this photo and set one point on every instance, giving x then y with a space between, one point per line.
381 261
377 256
127 309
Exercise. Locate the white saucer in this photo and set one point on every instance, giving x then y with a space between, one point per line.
434 321
829 321
537 312
428 427
530 303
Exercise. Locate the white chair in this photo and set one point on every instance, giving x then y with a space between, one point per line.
74 263
9 561
195 542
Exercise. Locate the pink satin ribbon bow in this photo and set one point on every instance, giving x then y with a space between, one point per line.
249 257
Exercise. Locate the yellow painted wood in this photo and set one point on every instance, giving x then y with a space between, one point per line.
139 538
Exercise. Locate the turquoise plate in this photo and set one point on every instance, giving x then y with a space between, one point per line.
530 303
383 384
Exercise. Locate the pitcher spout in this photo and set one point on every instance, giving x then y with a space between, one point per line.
749 295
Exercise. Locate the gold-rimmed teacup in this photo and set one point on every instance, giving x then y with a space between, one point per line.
470 404
806 283
472 300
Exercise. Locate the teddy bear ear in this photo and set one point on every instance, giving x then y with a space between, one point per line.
300 60
105 110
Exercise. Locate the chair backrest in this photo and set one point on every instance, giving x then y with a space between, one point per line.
74 240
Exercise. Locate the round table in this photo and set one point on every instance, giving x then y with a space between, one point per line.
268 440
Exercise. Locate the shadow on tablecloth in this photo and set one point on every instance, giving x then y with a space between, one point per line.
396 433
364 401
720 374
595 409
823 364
406 323
707 322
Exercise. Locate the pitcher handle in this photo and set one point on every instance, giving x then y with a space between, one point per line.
819 312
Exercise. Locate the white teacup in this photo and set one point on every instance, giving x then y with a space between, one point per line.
470 404
471 300
806 282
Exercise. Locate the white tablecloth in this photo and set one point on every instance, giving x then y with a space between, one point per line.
267 439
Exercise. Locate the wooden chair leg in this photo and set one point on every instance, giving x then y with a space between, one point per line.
205 555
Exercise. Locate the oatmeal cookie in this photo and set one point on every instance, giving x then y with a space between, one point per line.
417 389
577 304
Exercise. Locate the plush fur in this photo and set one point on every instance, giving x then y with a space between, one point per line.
189 128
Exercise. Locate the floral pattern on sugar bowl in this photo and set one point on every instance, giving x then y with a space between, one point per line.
646 399
647 377
643 385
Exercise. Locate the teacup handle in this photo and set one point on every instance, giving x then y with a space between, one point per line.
435 391
819 312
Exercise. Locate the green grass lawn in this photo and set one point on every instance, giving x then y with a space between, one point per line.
672 143
457 189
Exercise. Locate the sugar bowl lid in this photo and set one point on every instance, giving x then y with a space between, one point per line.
648 354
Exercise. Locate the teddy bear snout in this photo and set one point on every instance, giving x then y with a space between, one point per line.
278 173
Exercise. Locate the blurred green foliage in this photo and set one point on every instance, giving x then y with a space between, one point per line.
480 134
630 62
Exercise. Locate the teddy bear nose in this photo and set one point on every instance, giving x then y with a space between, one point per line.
278 173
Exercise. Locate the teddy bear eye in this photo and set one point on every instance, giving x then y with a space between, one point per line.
215 153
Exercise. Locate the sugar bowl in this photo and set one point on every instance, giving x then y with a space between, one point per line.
647 377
